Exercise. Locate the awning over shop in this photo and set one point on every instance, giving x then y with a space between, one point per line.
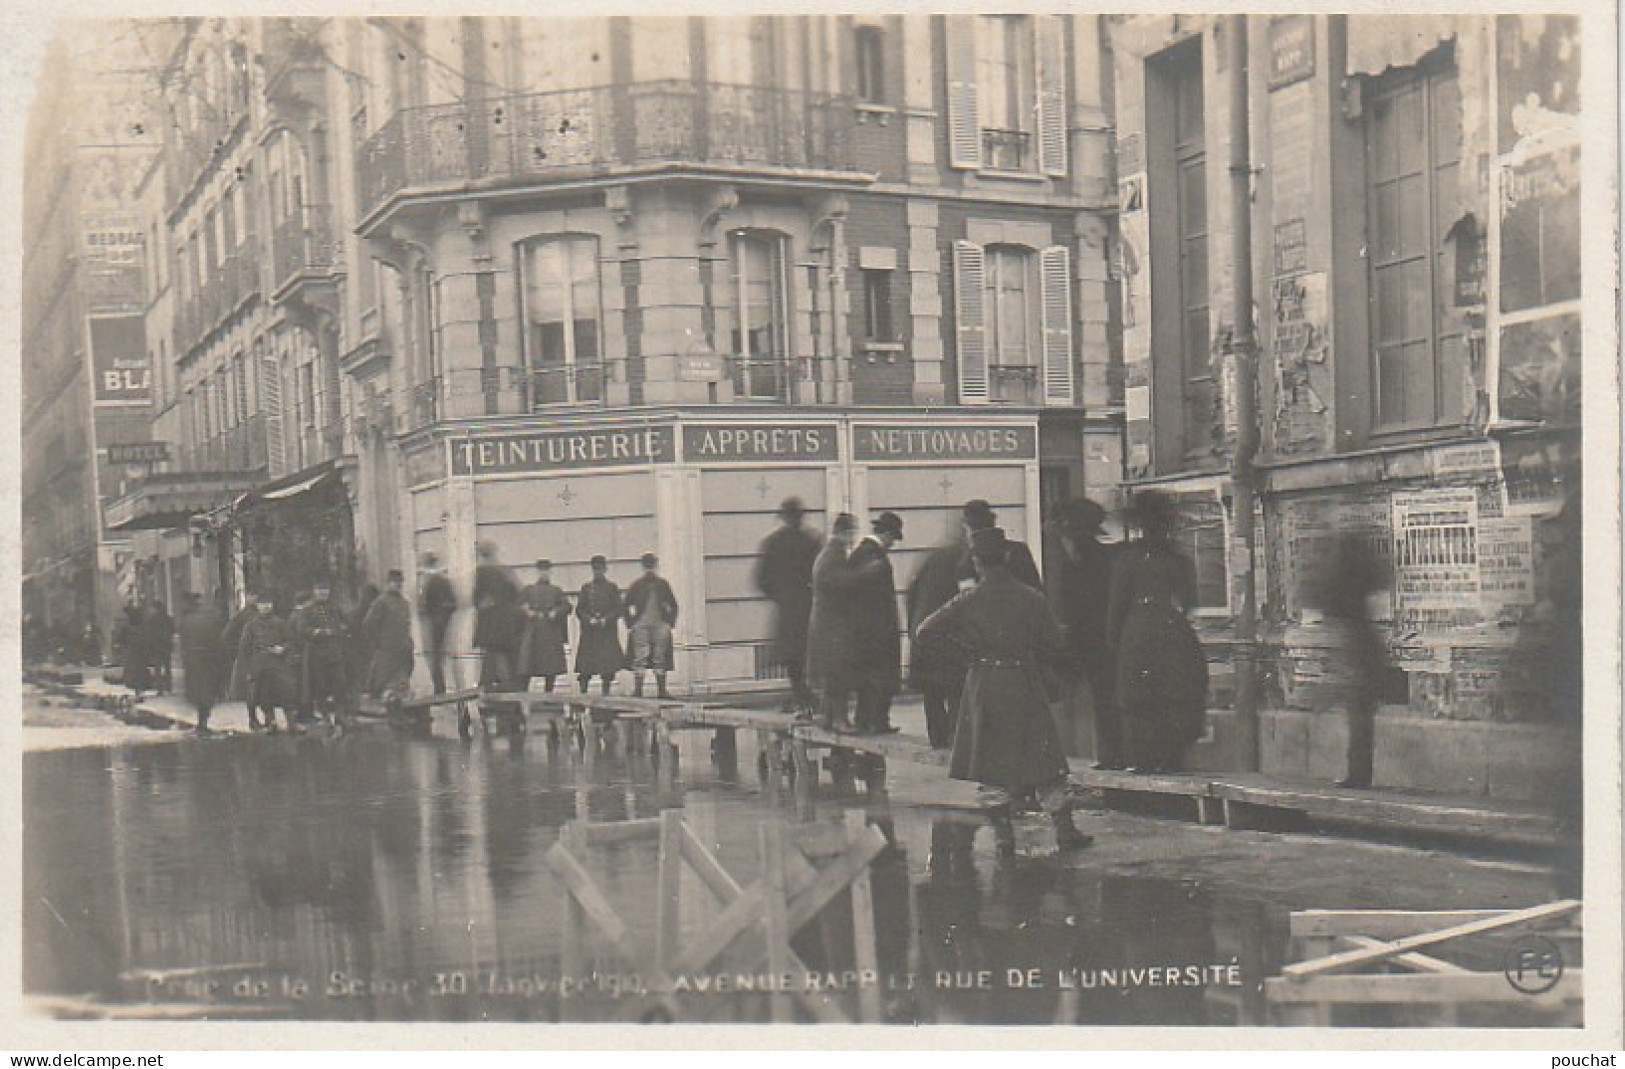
161 502
294 486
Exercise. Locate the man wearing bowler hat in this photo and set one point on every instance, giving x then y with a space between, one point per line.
978 515
388 630
874 626
651 610
599 608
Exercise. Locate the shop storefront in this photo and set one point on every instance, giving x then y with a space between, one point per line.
702 493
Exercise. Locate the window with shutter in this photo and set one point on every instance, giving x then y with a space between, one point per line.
1051 95
1055 284
964 117
970 326
270 394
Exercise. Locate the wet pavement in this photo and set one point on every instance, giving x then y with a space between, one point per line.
374 876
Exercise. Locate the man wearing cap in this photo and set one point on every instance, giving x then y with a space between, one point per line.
651 611
829 638
549 613
268 677
978 515
203 657
784 572
1006 739
437 604
1080 591
600 608
388 630
322 640
876 646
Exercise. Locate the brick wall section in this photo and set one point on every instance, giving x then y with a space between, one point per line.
879 221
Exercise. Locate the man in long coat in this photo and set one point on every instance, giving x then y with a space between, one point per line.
388 631
651 611
978 515
877 650
1006 738
203 658
600 609
437 604
938 673
232 639
829 641
499 622
160 646
1081 587
322 635
268 677
784 572
549 613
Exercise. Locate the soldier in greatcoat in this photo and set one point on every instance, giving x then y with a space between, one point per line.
784 572
600 609
268 678
1006 738
388 631
877 652
829 642
651 611
323 640
203 658
548 610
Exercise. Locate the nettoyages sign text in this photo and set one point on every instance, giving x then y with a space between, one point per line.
561 450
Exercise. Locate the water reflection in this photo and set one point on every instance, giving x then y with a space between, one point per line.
371 877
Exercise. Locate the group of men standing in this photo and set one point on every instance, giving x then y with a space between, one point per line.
522 633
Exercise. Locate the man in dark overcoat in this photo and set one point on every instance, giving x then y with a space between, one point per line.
268 678
1080 591
651 612
1006 739
784 572
939 674
499 622
232 640
321 632
160 646
388 631
203 658
600 609
549 613
978 515
829 640
437 604
877 652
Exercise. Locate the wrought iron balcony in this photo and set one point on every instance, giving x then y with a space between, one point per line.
519 138
1007 150
304 245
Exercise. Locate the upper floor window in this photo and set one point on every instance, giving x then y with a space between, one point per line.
1013 323
1007 93
868 46
1413 151
877 307
761 328
563 319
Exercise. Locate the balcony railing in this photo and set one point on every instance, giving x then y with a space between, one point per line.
1007 150
242 448
233 283
304 243
538 135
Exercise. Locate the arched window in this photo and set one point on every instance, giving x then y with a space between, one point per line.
563 335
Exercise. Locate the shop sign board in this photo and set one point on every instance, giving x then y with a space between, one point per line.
547 451
970 441
776 442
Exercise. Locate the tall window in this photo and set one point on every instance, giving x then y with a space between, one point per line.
563 336
1004 76
1413 139
868 44
761 331
1011 301
877 312
1190 156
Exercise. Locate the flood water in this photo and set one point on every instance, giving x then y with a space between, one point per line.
375 877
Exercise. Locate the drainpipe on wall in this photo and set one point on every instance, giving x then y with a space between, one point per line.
1244 350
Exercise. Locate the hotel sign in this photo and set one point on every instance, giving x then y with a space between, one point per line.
758 441
908 441
546 451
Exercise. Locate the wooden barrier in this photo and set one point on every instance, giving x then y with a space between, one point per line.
802 871
1349 946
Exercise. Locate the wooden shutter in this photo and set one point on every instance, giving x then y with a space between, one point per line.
964 117
1055 285
970 331
271 404
1052 121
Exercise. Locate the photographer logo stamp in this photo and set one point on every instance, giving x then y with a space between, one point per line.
1533 964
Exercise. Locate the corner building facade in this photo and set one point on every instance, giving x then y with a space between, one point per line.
622 284
1416 265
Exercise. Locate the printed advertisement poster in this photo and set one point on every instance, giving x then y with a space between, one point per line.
1436 549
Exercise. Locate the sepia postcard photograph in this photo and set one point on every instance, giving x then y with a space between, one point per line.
1097 520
